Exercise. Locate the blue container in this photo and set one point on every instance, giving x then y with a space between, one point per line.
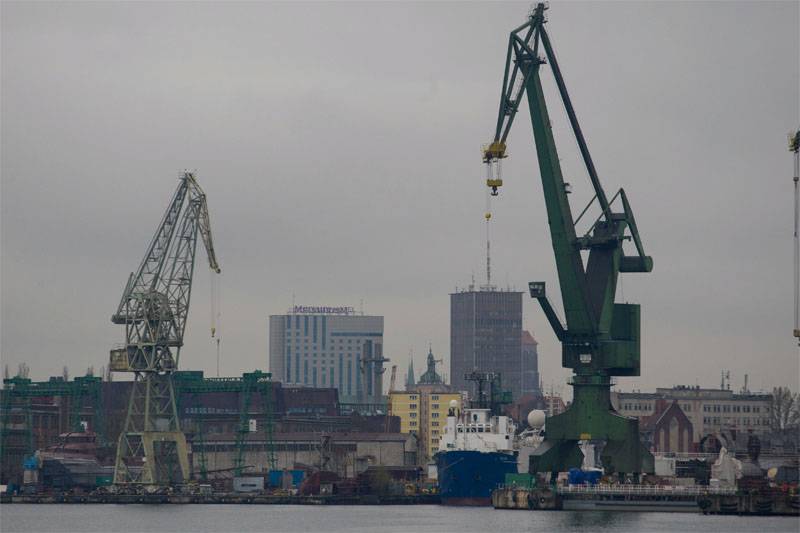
592 477
575 476
275 477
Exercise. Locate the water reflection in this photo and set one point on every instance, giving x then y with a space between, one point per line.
600 521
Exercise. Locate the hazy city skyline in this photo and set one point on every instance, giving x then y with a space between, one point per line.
338 145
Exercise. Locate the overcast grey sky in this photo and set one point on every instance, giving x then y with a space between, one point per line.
339 144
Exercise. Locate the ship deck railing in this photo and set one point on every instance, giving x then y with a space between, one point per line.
714 456
645 490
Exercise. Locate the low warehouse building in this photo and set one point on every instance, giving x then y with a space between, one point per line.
347 454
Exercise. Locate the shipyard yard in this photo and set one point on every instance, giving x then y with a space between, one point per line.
391 330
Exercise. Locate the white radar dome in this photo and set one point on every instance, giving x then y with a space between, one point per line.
536 418
453 403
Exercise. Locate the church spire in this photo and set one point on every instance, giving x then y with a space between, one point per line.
430 377
410 382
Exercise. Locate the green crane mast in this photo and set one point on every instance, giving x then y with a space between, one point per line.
601 338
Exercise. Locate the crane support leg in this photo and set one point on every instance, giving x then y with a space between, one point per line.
152 448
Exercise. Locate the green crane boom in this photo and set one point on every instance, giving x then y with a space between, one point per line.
601 338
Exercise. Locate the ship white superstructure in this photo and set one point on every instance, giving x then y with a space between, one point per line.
477 430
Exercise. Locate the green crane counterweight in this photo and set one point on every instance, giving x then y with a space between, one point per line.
601 338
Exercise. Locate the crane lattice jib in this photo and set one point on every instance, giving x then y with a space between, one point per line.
585 306
155 304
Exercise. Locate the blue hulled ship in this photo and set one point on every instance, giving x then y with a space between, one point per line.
468 477
476 452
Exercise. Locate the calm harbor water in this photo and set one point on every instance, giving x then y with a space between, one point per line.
381 519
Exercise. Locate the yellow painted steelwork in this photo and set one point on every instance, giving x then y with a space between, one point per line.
495 150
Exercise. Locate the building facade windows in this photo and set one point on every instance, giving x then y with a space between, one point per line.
722 410
317 340
349 378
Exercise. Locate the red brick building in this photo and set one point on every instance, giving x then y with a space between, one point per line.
669 429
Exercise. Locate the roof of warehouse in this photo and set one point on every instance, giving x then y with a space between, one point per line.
309 436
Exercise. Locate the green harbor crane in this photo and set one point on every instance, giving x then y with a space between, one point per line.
601 338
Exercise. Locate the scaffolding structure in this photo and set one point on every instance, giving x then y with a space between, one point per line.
194 384
83 395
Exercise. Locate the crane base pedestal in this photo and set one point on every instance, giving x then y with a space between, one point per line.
592 418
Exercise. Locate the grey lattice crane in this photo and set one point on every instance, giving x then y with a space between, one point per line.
154 307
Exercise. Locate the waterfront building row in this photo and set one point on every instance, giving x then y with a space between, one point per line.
710 411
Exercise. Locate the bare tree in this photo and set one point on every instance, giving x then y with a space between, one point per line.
23 370
785 409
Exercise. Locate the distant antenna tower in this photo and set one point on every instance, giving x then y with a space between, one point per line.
794 146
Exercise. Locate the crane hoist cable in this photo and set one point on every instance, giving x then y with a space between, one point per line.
216 313
213 307
794 146
488 217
